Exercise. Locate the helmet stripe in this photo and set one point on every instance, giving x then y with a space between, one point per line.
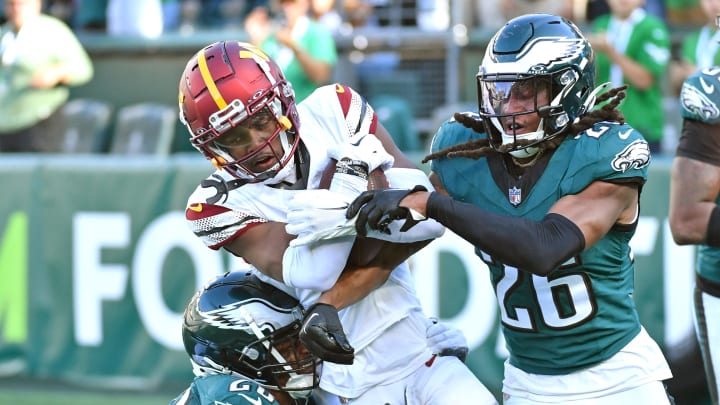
209 82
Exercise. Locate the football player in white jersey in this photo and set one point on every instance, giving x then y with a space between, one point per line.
242 116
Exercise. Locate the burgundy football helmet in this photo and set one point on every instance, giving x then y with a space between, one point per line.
224 85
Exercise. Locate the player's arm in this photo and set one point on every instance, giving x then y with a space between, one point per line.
695 176
369 266
263 246
386 139
437 183
694 187
573 223
365 273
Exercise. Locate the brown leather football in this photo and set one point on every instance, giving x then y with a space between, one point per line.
364 250
376 178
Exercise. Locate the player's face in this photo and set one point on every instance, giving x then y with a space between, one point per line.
251 143
520 107
18 11
292 349
623 8
305 367
711 8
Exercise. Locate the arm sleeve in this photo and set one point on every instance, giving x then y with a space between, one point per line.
316 266
538 247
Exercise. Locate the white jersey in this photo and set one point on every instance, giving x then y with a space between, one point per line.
218 213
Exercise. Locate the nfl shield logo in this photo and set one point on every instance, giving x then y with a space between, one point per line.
515 196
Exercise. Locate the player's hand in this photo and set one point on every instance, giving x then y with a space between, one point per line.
362 148
445 340
315 215
378 208
323 335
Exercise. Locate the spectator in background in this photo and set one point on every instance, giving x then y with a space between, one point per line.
142 18
325 14
357 12
304 49
699 49
633 48
90 15
40 57
684 13
494 13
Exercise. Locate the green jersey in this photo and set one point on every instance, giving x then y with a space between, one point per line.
312 38
583 312
646 40
700 101
224 389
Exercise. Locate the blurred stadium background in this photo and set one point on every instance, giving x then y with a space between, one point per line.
93 251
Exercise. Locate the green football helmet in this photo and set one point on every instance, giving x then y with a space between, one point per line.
534 53
238 324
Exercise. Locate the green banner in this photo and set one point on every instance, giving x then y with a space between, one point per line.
97 264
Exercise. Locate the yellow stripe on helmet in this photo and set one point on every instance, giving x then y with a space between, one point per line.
209 82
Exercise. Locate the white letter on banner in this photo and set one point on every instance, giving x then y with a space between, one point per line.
477 319
94 282
165 233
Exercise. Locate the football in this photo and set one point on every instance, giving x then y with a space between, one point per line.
376 178
365 250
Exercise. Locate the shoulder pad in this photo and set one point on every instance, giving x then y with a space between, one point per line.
700 96
452 133
231 389
610 150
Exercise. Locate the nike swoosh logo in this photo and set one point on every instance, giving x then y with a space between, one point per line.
308 321
196 207
356 143
624 135
253 401
709 88
340 89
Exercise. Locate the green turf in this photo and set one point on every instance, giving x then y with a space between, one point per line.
64 397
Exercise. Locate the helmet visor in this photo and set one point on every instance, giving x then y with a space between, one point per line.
514 105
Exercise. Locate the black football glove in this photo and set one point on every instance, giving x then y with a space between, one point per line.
323 335
378 208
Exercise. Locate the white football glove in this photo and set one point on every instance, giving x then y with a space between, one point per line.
444 340
316 215
366 148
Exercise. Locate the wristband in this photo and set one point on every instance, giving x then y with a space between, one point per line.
353 167
712 236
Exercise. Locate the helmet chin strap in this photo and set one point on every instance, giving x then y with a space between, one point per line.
525 152
289 169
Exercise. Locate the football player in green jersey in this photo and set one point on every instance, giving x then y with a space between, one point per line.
546 186
242 337
694 211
